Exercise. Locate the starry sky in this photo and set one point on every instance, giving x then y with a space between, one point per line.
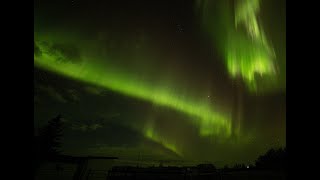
187 80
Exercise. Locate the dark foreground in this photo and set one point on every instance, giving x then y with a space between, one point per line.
157 173
111 168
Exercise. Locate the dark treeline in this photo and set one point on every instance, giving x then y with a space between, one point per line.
273 159
47 146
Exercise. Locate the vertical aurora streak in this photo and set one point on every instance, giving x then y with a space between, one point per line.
240 39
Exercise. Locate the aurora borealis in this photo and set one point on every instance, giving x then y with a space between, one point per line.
210 122
242 41
158 77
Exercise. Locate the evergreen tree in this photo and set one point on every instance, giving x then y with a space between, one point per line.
48 142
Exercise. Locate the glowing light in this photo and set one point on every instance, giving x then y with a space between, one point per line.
151 134
240 38
210 122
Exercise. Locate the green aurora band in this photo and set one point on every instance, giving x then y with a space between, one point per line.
235 30
151 134
240 39
210 122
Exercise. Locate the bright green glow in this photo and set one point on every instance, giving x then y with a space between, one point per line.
151 134
252 53
240 38
247 58
246 13
209 121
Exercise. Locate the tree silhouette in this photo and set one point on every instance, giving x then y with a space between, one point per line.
48 142
206 167
226 168
239 166
273 159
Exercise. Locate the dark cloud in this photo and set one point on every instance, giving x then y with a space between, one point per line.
48 86
86 127
94 90
103 133
66 52
45 91
37 51
110 137
52 93
72 95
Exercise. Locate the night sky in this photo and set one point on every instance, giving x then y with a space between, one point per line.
191 80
